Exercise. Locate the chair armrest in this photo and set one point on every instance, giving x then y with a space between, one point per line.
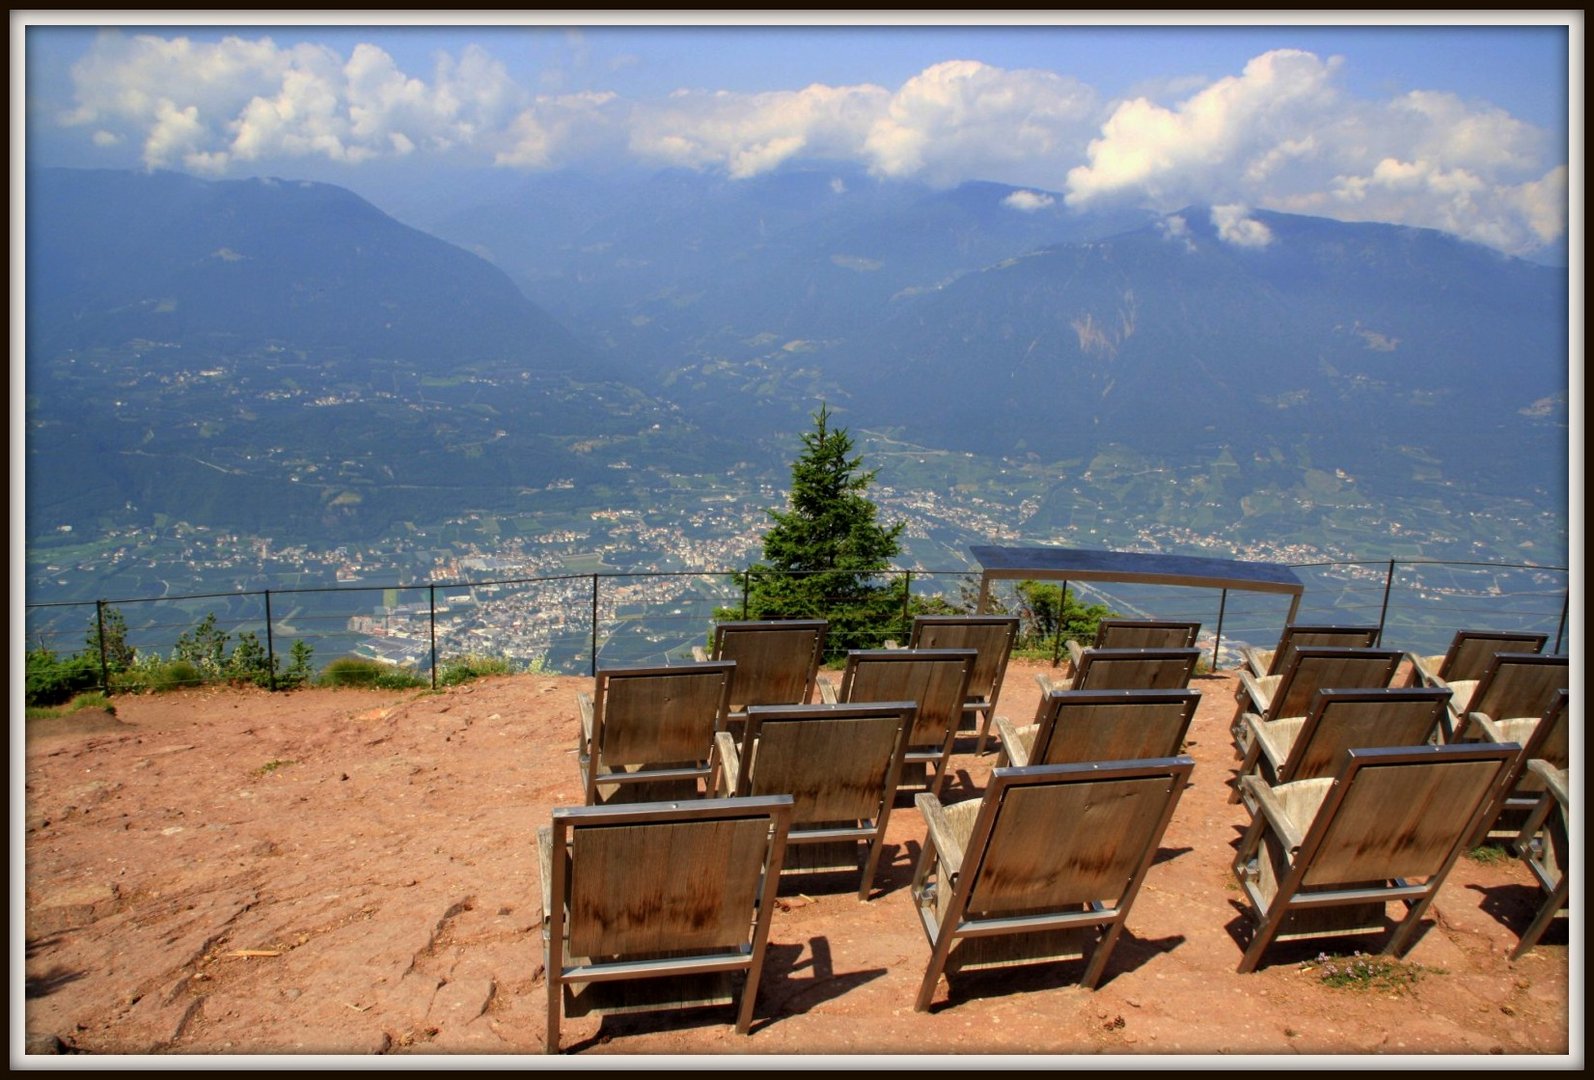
1255 691
1272 809
727 763
545 860
1257 660
584 707
1554 779
940 832
1425 670
699 654
1016 742
1044 683
891 643
1480 726
1074 650
827 691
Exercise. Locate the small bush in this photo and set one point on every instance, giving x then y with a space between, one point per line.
1362 972
54 680
460 669
359 671
94 700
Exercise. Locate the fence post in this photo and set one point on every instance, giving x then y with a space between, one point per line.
594 625
747 585
1383 612
907 593
105 666
1560 633
1057 640
431 603
1217 638
271 654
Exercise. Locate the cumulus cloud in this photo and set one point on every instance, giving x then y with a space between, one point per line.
1236 226
1028 201
956 114
1176 230
206 105
1280 134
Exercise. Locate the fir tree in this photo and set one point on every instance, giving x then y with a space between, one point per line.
823 556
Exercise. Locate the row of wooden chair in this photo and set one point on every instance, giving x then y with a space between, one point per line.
1074 760
667 904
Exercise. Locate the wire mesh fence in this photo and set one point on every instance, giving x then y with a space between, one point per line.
573 624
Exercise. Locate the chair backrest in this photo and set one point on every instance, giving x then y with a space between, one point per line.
777 660
1017 861
1471 650
1135 669
1341 720
839 763
1323 667
1111 725
935 680
1399 812
649 715
1518 684
654 890
1146 634
1295 636
1551 741
990 636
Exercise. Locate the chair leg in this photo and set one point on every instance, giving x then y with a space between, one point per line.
555 1007
1541 922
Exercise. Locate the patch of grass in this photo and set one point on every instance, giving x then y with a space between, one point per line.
94 700
1362 972
459 669
272 766
1489 854
358 671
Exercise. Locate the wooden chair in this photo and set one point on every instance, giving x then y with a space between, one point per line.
658 905
935 680
1129 669
1137 634
1543 846
992 638
1100 725
1311 668
647 733
840 764
1263 662
1546 739
1306 747
1469 653
777 660
1514 686
1324 857
1012 878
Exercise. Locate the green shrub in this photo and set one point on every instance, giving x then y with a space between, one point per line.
92 700
459 669
359 671
53 680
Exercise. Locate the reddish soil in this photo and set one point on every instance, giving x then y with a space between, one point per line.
354 872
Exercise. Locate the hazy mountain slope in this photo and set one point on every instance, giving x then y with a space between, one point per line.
1168 336
121 256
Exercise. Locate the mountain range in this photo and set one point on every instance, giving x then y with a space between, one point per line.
279 354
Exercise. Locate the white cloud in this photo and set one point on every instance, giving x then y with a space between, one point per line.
961 119
1028 201
1236 227
1280 134
1175 229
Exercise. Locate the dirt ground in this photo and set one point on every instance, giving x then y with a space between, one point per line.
338 872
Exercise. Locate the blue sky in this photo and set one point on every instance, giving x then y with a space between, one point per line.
1463 128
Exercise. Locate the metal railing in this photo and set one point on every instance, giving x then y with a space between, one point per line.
569 623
